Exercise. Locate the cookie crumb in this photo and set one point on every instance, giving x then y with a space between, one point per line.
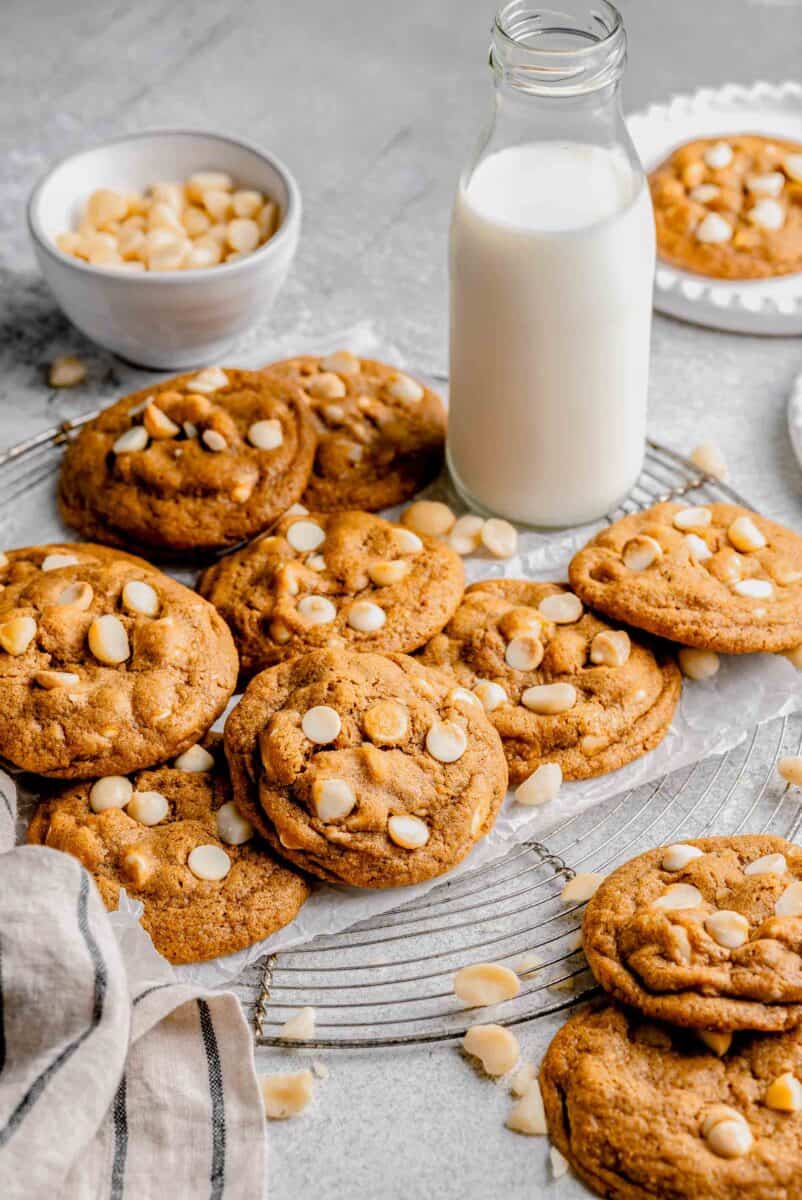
66 371
286 1095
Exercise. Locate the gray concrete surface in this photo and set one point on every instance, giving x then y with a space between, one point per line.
375 105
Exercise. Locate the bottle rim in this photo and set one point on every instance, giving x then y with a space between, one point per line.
576 48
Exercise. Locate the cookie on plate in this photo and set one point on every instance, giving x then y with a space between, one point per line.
641 1110
380 433
364 769
731 207
174 839
715 576
196 463
560 684
348 578
106 665
704 933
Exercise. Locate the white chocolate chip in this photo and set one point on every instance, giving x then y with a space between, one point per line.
769 184
49 680
321 724
266 435
108 640
211 379
384 574
492 695
496 1048
194 760
213 440
342 362
461 695
610 648
744 535
679 855
466 535
333 799
386 722
446 741
523 1078
429 517
483 984
718 155
784 1094
54 562
698 547
581 888
641 552
209 862
767 214
138 867
407 831
140 597
549 698
713 229
708 458
135 438
719 1043
66 371
404 388
232 827
301 1027
112 791
698 664
729 929
499 537
704 193
793 167
147 807
678 896
316 610
524 653
790 902
80 594
316 562
754 589
767 864
325 386
297 510
528 1114
286 1095
564 608
692 518
158 424
726 1132
305 535
407 541
366 617
542 785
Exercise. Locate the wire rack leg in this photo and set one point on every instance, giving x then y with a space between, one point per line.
263 997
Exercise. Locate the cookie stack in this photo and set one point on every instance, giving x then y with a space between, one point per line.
687 1082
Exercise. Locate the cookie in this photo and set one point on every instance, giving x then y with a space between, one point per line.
340 578
560 684
643 1111
106 665
365 769
731 207
174 839
704 933
715 576
380 433
194 464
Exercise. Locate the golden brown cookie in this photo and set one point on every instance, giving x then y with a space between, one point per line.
644 1112
327 578
715 576
106 665
380 433
174 839
193 464
560 684
706 933
731 207
365 769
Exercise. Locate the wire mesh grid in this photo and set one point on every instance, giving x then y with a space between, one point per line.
388 981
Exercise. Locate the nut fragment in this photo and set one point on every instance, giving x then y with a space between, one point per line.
366 617
138 866
482 984
744 535
384 574
679 855
213 440
194 760
404 388
549 698
581 887
523 1078
730 929
559 1163
54 562
528 1114
209 862
563 608
641 552
524 653
446 741
158 424
499 537
286 1095
112 791
784 1094
16 634
305 536
790 768
386 722
542 785
325 386
321 724
333 799
66 371
767 864
140 597
718 155
147 807
708 458
135 438
407 831
342 362
698 547
495 1047
754 589
491 694
790 902
49 680
692 518
407 541
79 594
698 664
678 896
466 534
301 1027
316 610
232 827
108 640
429 517
726 1132
266 435
719 1043
610 648
210 379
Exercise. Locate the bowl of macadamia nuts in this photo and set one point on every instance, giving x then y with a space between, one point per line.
166 246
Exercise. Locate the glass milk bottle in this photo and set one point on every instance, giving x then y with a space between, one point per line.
551 262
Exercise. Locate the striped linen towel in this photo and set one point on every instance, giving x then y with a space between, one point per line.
114 1082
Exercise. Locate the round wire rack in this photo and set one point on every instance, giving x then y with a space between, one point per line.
389 981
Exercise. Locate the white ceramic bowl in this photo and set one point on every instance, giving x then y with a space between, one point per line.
163 319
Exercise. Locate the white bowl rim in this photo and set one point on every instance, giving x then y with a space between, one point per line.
147 278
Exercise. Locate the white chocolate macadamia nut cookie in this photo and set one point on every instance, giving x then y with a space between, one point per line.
558 683
717 577
364 769
380 432
322 577
704 934
193 464
172 837
106 665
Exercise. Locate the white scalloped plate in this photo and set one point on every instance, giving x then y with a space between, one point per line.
751 306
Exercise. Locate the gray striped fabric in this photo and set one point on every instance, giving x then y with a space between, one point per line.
113 1084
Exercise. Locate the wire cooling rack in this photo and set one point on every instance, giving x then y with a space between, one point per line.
389 981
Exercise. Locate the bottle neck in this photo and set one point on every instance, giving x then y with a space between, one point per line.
578 51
